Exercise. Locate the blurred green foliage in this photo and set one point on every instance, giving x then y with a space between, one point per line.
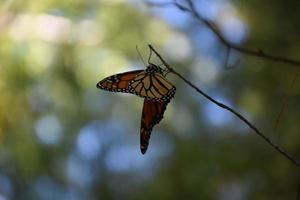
61 138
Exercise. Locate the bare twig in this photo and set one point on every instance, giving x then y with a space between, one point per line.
286 97
298 192
226 61
227 57
256 53
221 105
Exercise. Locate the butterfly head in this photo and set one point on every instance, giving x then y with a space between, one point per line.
151 69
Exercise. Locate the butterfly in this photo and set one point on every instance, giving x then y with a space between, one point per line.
150 84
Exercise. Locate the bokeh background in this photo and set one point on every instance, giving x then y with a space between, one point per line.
61 138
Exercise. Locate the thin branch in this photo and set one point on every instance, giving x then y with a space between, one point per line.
227 57
221 105
226 60
286 98
256 53
298 192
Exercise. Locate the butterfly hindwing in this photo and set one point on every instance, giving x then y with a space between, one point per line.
153 86
153 112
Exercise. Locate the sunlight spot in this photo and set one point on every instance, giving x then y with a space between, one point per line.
89 32
226 17
53 28
205 40
128 158
21 27
205 70
47 27
125 158
234 29
79 172
39 57
178 47
95 65
88 143
49 130
209 9
171 15
3 197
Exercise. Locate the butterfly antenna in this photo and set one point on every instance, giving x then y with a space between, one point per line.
141 57
149 58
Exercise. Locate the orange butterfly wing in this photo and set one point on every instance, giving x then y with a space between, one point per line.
118 82
153 86
153 112
150 85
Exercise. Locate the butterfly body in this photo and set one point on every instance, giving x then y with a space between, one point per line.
151 69
149 84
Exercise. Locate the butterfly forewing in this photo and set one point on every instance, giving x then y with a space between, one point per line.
153 112
118 82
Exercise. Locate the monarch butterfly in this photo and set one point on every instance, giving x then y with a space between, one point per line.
149 84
